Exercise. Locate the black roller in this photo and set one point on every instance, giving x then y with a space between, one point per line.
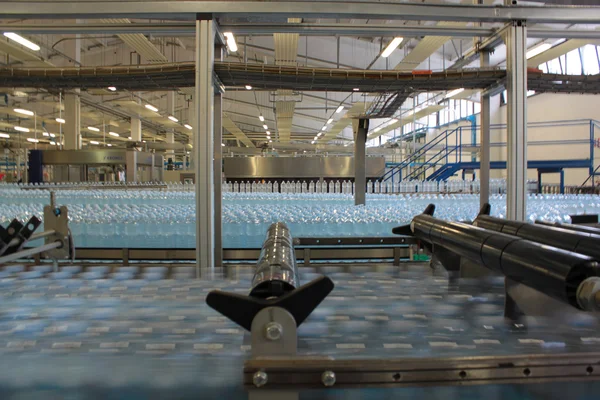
571 227
275 284
576 241
551 270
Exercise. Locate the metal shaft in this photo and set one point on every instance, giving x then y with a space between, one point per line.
30 252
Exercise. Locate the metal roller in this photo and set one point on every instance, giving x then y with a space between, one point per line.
275 284
550 270
276 269
576 241
571 227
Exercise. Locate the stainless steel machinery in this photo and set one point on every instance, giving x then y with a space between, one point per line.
102 165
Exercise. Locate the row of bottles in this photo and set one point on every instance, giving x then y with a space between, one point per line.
497 186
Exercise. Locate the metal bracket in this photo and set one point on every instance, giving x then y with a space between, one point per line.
57 220
274 333
8 234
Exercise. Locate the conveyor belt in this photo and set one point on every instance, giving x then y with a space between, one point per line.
119 334
271 77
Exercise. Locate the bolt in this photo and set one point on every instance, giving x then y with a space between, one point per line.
328 378
273 331
260 378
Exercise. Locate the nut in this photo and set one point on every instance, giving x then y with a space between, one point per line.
328 378
260 378
273 331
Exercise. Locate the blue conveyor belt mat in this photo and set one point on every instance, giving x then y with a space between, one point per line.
143 339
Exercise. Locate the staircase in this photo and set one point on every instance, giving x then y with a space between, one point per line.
414 159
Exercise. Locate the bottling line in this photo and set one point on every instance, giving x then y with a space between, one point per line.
528 325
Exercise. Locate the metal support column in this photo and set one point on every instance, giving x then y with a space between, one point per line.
171 99
136 129
516 87
72 137
360 161
218 179
203 148
484 140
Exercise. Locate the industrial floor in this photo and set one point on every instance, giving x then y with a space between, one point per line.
119 334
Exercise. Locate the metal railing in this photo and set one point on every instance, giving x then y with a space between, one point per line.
454 147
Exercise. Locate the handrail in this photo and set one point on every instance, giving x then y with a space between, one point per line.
428 164
447 150
419 153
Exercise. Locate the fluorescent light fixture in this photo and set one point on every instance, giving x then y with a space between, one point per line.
94 142
113 134
268 137
339 109
231 44
45 134
18 93
188 126
93 128
313 142
4 135
330 120
21 129
268 133
248 87
222 144
454 92
52 135
129 138
356 89
22 41
109 145
265 126
32 140
25 112
143 141
392 46
324 128
60 120
270 141
172 118
151 107
53 143
319 134
538 50
262 119
316 138
112 88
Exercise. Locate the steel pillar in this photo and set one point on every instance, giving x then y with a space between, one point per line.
218 179
203 147
72 136
360 161
484 140
516 87
171 132
136 129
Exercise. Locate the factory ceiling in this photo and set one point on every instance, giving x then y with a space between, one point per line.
302 68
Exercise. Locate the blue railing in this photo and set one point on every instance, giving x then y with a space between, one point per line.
413 158
454 146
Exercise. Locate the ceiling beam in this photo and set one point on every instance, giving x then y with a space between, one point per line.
187 10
